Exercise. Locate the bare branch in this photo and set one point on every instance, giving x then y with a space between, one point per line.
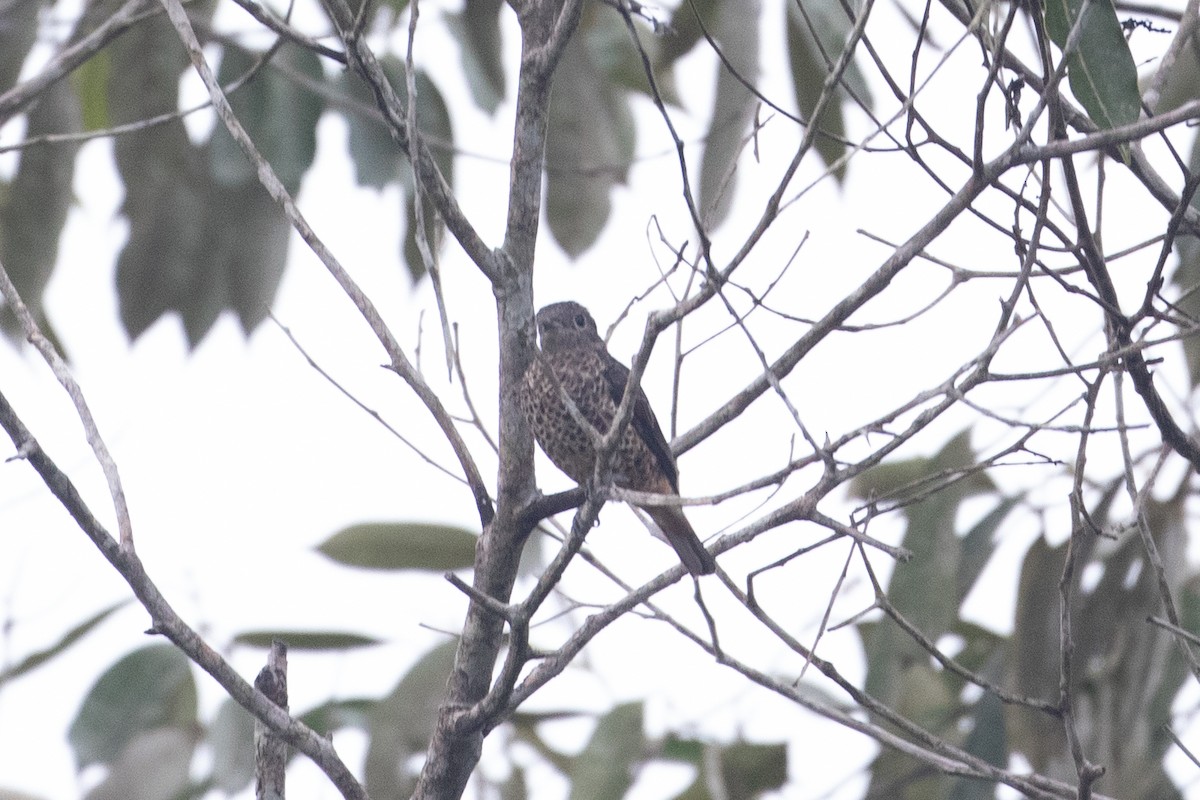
266 175
166 622
16 99
91 430
270 751
363 59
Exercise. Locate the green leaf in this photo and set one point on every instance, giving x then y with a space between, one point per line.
748 769
434 122
278 113
1036 630
689 751
336 714
147 690
752 769
617 58
589 147
246 248
1101 71
147 61
515 788
158 266
1182 82
231 737
931 536
376 156
17 35
411 252
154 765
930 491
1126 673
980 647
243 238
1033 654
90 82
403 722
810 69
378 159
34 209
1187 276
526 728
684 30
605 768
306 640
402 545
986 741
35 660
736 32
204 236
978 544
477 29
161 170
1111 628
923 696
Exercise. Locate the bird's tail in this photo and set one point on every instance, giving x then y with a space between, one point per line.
675 526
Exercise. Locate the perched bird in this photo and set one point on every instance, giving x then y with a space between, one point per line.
574 362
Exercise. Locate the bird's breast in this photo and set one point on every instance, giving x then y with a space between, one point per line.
580 376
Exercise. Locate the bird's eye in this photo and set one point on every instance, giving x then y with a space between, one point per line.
580 321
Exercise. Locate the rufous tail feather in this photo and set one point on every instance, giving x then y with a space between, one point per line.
675 526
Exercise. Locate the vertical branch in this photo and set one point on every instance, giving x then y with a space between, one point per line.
270 750
455 746
1085 770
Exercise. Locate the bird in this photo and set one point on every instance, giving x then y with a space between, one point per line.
574 361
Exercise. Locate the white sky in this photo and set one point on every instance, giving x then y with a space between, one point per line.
237 458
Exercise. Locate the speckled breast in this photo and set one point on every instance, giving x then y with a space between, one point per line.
580 374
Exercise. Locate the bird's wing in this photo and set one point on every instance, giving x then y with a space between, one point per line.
644 421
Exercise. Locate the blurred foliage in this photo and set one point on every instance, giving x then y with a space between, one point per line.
1186 277
140 722
1126 673
306 640
140 719
401 545
1100 68
37 659
204 237
401 723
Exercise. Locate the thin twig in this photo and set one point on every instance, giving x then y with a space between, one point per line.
375 415
166 622
398 360
90 428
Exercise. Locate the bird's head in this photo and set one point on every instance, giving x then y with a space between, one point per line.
562 326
